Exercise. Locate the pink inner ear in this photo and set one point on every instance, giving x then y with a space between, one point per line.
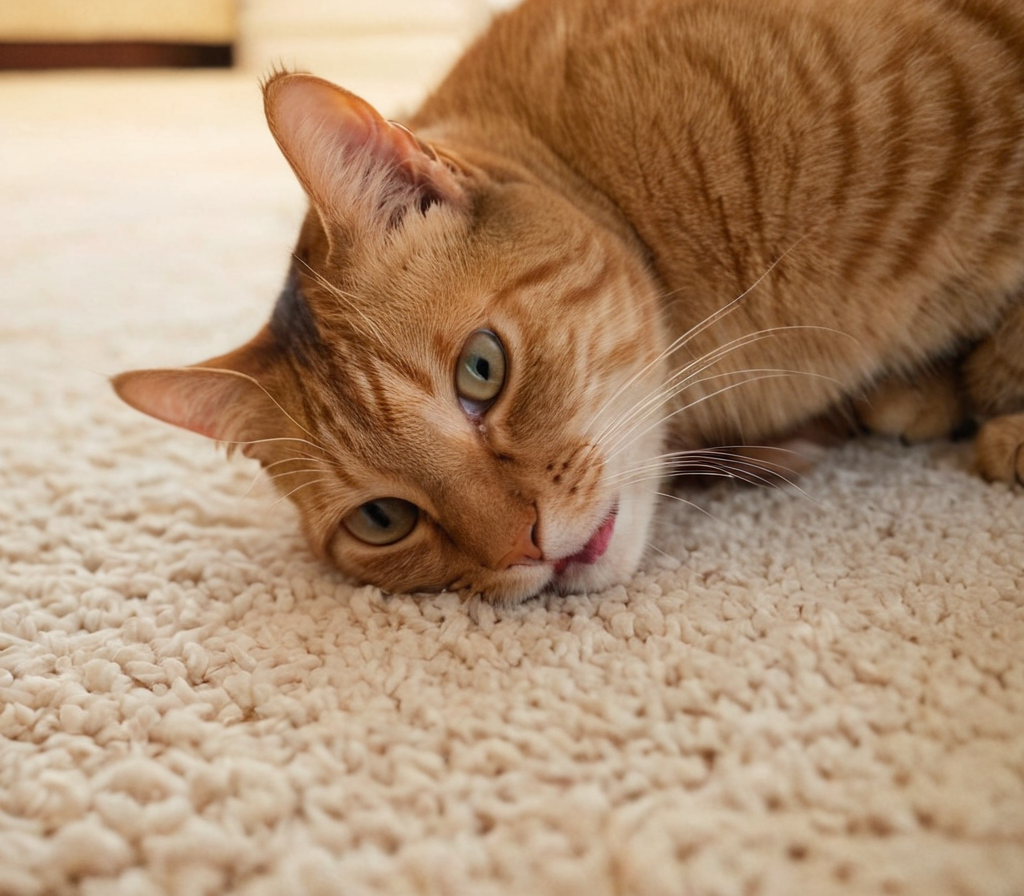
319 126
209 402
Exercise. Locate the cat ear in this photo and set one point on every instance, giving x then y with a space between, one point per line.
349 159
213 399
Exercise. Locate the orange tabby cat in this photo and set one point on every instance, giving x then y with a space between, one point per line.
622 231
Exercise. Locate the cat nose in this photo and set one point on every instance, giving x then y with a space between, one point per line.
524 548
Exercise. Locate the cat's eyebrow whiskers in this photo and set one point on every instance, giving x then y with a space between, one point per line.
282 473
275 476
311 441
347 298
296 490
298 457
243 443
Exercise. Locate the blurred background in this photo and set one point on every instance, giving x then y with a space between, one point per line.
345 40
148 215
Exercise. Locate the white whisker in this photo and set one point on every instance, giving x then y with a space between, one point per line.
242 443
696 507
282 473
696 458
650 544
685 377
348 300
296 490
693 332
631 437
324 462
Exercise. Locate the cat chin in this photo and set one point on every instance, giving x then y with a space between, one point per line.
626 548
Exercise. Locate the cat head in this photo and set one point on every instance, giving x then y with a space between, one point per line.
452 385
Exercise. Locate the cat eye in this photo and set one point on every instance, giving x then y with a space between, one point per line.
383 521
480 373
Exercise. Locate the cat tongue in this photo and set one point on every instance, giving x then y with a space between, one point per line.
594 549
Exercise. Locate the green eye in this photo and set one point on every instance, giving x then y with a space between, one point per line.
480 373
383 521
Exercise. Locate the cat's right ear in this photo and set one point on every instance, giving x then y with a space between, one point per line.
356 167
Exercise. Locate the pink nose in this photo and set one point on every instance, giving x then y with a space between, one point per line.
524 548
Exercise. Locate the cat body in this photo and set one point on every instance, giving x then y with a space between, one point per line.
619 235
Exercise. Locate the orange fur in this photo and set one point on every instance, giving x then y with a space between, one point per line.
688 222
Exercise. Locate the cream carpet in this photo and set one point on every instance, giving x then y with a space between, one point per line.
797 695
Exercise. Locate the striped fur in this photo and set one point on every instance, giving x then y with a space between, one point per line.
692 223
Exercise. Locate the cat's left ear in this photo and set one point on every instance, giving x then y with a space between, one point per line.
352 162
221 399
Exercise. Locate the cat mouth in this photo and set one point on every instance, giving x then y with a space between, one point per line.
595 548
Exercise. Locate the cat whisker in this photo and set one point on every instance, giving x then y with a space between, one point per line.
717 463
266 468
685 377
312 441
281 474
696 507
661 460
694 457
693 381
296 490
651 366
724 450
631 436
347 299
252 484
694 331
322 466
243 443
746 468
304 458
275 477
652 546
706 469
743 470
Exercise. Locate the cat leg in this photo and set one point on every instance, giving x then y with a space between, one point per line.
994 374
931 405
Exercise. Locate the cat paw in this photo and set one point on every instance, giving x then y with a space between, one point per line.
929 407
1000 449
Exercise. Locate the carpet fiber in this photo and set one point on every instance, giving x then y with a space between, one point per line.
817 693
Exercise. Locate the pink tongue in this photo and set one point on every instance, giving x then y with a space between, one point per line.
594 549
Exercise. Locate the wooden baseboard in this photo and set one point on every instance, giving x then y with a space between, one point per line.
36 55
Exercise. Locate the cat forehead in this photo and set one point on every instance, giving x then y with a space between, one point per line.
374 357
394 323
441 247
431 306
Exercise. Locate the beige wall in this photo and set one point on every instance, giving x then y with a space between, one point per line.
177 21
375 47
359 42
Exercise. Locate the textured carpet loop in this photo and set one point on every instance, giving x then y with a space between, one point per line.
818 693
